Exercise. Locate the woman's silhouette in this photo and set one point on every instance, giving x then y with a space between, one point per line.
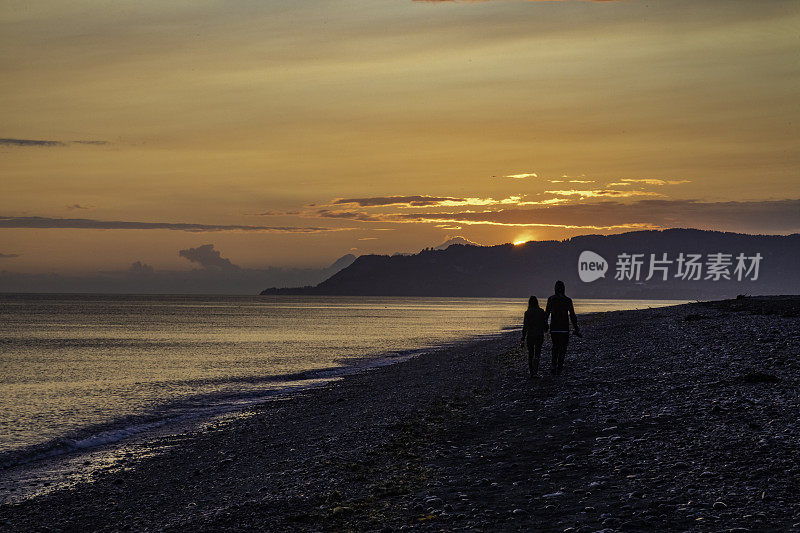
534 326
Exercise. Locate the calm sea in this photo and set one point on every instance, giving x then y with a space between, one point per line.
77 371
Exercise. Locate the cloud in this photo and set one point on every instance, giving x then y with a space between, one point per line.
140 269
349 215
654 181
625 181
28 142
602 193
775 216
78 206
87 223
207 257
8 141
419 201
501 218
271 213
464 217
405 201
8 256
522 176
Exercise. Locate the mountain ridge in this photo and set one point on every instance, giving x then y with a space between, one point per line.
506 270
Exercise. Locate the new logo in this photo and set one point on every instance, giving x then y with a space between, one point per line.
591 266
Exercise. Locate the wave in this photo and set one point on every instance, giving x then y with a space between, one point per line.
200 407
196 408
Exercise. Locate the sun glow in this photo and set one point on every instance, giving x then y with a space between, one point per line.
522 239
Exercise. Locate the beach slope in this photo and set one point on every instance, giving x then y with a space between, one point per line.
680 418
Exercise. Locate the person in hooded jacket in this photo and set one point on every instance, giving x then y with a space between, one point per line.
560 312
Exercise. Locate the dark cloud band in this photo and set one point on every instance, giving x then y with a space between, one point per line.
7 141
414 200
28 142
87 223
781 216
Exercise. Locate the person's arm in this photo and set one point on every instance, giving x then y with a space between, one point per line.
524 327
574 319
547 311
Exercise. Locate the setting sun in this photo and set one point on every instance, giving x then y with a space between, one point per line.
519 241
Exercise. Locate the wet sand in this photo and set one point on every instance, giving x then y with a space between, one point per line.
681 418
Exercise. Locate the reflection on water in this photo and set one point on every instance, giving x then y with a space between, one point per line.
95 367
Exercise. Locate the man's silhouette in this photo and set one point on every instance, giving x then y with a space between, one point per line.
561 312
534 326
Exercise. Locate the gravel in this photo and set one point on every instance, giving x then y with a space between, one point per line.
680 419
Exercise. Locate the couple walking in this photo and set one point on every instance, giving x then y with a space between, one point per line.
560 312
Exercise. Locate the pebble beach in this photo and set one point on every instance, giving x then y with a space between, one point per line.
680 418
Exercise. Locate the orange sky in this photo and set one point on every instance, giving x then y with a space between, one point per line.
290 133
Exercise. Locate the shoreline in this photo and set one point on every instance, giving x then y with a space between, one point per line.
634 436
175 417
66 462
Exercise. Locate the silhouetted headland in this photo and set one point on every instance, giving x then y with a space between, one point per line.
518 271
670 419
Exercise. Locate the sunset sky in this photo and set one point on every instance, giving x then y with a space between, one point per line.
289 133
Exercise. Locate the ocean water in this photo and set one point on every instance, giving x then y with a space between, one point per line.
81 370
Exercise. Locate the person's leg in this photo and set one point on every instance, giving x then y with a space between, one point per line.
530 359
559 350
554 362
537 353
534 353
563 351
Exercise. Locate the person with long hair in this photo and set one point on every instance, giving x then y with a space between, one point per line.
534 327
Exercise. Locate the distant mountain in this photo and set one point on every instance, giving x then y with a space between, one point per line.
455 240
343 262
532 268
